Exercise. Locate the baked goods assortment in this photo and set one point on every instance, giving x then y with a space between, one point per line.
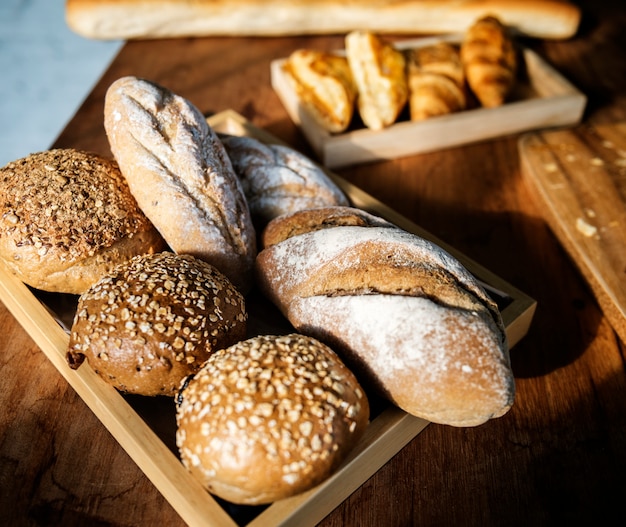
409 320
432 80
376 311
154 320
67 218
268 418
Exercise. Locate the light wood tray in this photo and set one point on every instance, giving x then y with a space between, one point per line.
543 98
149 439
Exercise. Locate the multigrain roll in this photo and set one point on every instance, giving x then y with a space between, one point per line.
409 320
67 218
268 418
181 176
277 179
154 321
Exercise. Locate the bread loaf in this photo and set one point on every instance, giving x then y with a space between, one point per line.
180 175
404 314
378 70
436 81
278 180
155 320
67 218
489 60
268 418
324 86
127 19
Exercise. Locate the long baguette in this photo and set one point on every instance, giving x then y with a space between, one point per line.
405 315
138 19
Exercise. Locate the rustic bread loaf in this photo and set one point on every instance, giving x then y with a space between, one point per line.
67 218
278 180
405 315
180 175
155 320
268 418
127 19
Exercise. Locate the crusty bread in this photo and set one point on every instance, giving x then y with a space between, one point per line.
436 81
67 218
180 175
277 179
127 19
378 69
489 60
154 320
324 86
404 314
268 418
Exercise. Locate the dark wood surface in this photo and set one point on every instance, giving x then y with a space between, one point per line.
557 458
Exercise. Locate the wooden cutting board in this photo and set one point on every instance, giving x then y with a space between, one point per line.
579 177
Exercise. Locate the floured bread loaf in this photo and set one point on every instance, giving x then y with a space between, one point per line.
154 320
180 175
378 70
405 315
268 418
67 218
324 86
278 180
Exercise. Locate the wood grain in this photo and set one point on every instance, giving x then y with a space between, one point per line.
558 457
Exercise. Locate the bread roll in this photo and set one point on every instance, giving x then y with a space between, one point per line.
489 60
127 19
436 81
324 86
278 180
67 218
405 315
378 70
155 320
268 418
178 171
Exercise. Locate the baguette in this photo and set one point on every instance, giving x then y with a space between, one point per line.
136 19
407 317
181 176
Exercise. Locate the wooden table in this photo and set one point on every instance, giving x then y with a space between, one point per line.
558 457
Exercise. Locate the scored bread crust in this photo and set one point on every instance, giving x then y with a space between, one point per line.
154 320
67 218
268 418
180 175
126 19
277 179
405 315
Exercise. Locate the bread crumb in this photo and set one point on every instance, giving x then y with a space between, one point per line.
585 228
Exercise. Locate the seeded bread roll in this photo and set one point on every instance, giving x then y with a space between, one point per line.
268 418
179 172
406 317
154 321
67 218
278 180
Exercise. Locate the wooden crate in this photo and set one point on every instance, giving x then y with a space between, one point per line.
139 426
543 98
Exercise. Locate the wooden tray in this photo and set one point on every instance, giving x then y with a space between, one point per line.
543 98
579 178
145 427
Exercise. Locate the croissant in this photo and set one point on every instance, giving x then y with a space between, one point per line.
436 81
489 60
411 322
378 70
324 86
